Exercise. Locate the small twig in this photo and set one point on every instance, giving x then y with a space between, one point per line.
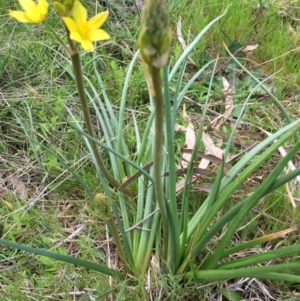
289 191
71 236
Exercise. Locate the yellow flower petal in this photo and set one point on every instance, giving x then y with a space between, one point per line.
87 45
33 12
19 16
27 5
98 35
83 31
73 28
43 6
98 20
76 36
70 23
79 13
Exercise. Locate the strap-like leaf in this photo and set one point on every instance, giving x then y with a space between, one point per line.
65 258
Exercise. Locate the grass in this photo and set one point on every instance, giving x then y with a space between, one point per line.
56 207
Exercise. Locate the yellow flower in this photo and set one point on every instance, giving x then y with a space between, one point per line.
83 31
33 12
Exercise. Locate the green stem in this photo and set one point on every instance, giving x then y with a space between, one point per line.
50 28
158 143
115 234
85 109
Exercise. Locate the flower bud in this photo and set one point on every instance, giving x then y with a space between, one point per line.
102 203
63 7
154 39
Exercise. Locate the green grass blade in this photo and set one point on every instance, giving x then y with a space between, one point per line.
62 161
153 235
267 90
184 223
107 124
285 179
112 115
139 213
146 228
64 258
190 47
146 141
126 160
126 236
104 183
241 164
252 201
190 83
29 114
207 219
171 180
251 243
273 272
216 186
123 106
236 169
104 146
215 192
258 258
228 216
138 141
107 128
237 123
177 100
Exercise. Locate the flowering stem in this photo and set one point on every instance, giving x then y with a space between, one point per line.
115 233
56 36
79 82
158 143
